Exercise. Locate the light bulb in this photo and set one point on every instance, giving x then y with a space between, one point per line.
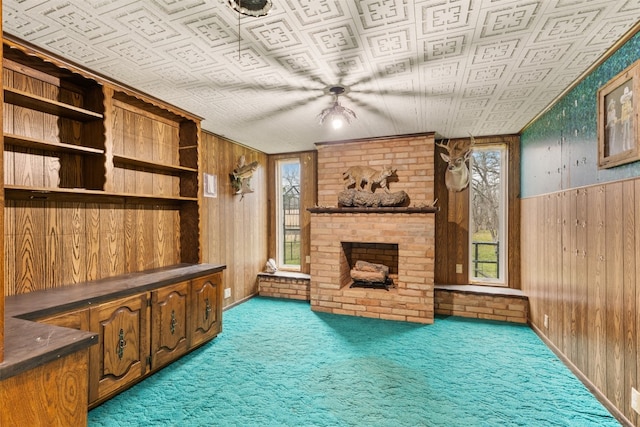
336 123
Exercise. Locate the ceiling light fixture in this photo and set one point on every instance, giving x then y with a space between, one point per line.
251 7
337 114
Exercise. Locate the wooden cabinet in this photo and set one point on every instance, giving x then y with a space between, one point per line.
54 394
169 323
174 311
120 357
206 301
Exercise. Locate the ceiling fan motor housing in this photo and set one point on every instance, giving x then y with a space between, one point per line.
251 7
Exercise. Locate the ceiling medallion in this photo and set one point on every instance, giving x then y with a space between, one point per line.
336 114
251 7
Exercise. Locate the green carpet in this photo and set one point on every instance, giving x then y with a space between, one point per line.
277 363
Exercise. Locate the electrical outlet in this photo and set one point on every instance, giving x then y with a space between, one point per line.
308 259
458 268
635 400
227 292
546 321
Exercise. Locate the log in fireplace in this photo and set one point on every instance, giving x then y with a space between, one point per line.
370 275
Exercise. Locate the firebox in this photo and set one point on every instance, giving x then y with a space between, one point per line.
375 253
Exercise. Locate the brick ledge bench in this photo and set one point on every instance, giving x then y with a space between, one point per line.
285 284
482 302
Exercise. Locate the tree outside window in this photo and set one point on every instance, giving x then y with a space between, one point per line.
488 216
288 244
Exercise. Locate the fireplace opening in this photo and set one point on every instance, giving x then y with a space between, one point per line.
385 254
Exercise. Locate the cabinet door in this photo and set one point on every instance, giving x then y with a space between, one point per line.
169 320
206 308
121 354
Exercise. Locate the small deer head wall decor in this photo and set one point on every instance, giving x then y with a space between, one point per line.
241 176
456 177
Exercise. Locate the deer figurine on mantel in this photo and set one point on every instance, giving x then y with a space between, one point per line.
456 177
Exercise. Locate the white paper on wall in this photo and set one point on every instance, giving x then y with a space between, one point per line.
210 185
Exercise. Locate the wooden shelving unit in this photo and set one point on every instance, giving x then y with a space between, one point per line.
97 159
100 184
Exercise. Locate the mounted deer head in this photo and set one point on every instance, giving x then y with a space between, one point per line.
456 177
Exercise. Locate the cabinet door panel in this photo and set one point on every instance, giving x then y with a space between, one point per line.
206 297
121 354
169 323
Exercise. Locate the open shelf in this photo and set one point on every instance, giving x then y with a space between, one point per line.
59 147
16 192
158 167
34 102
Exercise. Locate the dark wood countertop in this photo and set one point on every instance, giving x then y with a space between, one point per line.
40 304
29 344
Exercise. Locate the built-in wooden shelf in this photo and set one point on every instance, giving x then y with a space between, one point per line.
39 103
158 167
345 210
60 147
15 192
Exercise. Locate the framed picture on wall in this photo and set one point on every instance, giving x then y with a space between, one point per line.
618 103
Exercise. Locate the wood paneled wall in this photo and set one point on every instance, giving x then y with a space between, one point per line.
452 222
234 227
580 265
308 199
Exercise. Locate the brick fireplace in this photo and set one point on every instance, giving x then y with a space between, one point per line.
401 238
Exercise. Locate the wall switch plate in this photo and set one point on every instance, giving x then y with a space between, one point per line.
458 268
308 259
546 321
227 292
635 400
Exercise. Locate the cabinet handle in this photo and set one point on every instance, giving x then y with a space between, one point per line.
122 343
174 322
207 309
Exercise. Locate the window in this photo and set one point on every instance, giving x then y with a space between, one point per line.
288 214
488 218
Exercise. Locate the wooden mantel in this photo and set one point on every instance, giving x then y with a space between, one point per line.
346 210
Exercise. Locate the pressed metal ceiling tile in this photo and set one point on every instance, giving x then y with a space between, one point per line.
455 67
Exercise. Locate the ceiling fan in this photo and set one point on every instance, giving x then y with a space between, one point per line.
317 88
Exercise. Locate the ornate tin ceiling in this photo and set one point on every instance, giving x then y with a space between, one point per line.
455 67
